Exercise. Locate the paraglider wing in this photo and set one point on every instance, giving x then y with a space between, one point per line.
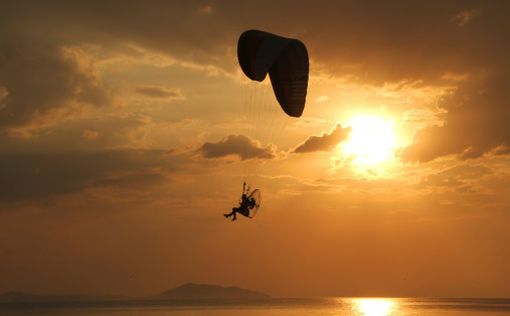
289 77
286 61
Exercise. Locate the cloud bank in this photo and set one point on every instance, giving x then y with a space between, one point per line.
477 121
433 41
38 176
43 81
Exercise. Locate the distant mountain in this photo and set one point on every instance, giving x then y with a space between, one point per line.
207 291
189 291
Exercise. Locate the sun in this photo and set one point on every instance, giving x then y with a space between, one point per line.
372 141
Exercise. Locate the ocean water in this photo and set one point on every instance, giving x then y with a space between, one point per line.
276 307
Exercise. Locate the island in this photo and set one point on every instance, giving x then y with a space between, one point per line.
207 291
189 293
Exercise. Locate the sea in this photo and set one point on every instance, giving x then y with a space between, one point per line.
272 307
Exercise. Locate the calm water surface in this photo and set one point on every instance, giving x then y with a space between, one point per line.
277 307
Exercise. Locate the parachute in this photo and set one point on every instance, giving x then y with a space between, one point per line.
286 61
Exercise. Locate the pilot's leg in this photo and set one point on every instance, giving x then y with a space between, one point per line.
230 214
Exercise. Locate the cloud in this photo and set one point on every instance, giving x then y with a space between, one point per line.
461 178
205 9
477 121
237 145
89 134
325 142
502 150
390 48
422 44
464 17
393 45
43 81
159 92
39 176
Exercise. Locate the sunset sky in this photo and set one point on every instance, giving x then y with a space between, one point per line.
127 129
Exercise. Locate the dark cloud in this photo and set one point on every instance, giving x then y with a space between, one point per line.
477 121
237 145
43 80
38 176
159 92
187 30
325 142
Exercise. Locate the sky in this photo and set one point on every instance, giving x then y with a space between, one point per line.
127 129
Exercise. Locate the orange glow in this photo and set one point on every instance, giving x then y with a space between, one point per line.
372 141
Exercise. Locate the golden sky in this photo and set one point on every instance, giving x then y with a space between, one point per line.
127 129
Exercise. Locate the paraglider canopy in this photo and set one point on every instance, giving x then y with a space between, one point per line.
286 61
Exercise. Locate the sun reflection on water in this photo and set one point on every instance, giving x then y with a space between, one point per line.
374 306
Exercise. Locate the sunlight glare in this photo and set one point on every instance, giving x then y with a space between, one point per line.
371 142
374 306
